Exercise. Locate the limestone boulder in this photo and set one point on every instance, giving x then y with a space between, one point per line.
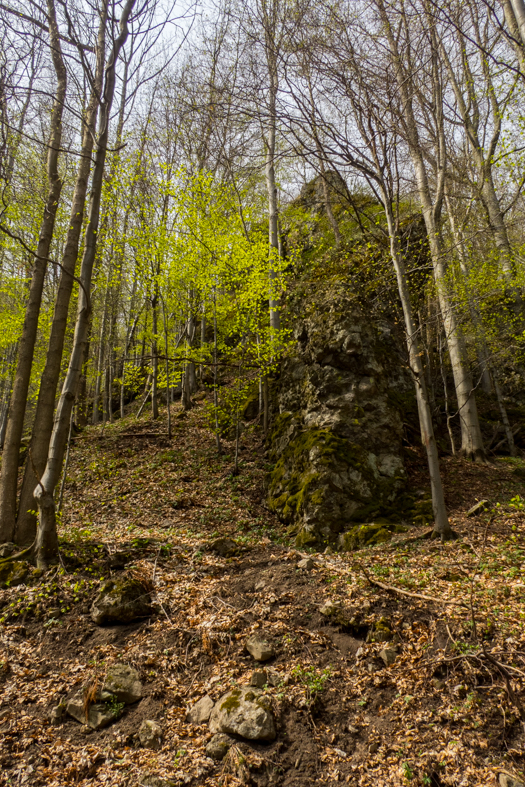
122 681
121 601
244 711
97 715
201 711
15 573
219 746
259 647
150 734
336 437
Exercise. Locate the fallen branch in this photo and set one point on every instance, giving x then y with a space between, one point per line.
421 596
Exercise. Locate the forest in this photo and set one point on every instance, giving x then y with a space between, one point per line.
262 364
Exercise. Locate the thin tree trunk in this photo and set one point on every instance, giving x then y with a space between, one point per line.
46 543
154 387
442 527
17 409
471 440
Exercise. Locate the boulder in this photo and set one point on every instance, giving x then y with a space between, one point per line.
219 746
150 734
121 601
368 535
122 681
201 711
259 647
336 437
246 712
225 547
14 573
99 715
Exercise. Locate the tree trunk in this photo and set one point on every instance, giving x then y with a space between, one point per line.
45 407
442 527
471 440
46 543
17 409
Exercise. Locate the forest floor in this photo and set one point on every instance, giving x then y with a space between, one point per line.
447 711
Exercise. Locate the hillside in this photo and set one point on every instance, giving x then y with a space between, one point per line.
420 685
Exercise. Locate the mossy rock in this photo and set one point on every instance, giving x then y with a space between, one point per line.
250 406
14 573
362 536
380 631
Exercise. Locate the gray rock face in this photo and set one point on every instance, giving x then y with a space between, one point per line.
99 715
258 647
219 746
150 734
121 601
122 681
201 711
245 712
336 438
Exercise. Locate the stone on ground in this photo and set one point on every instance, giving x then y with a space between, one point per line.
245 712
121 601
14 573
259 647
259 678
219 746
123 682
478 508
225 547
99 715
389 655
307 564
505 780
201 711
150 734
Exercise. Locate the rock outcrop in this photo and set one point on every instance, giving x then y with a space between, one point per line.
336 437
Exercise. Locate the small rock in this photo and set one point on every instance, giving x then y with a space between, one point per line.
258 647
261 584
372 666
340 753
438 684
57 713
352 730
225 547
7 549
150 734
277 678
99 715
245 712
505 780
374 746
389 655
121 601
201 711
259 679
307 564
479 508
123 682
219 746
86 730
329 608
360 652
